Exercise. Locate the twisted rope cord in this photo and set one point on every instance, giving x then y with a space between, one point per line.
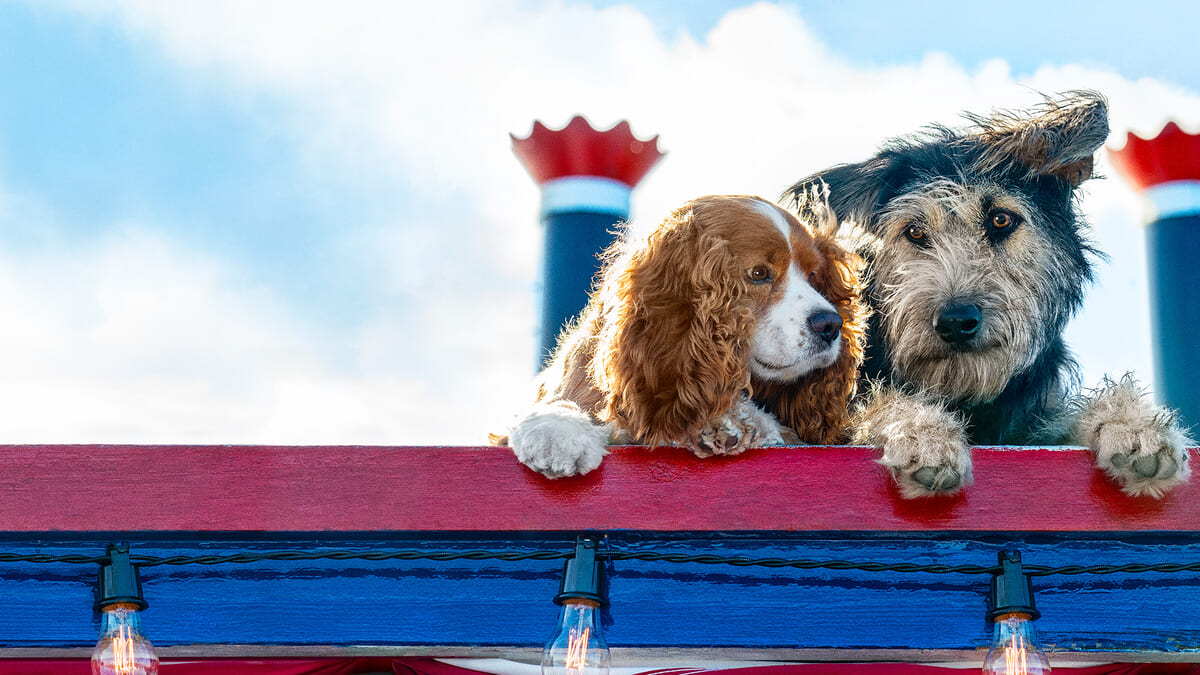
41 558
1130 568
869 566
509 556
644 556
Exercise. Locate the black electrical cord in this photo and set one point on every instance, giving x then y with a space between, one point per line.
615 555
40 558
649 556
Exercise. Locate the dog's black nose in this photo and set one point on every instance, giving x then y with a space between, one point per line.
958 324
827 325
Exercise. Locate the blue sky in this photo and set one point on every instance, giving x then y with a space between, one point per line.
105 133
302 223
1145 39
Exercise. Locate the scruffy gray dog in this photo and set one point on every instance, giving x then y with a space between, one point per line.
977 258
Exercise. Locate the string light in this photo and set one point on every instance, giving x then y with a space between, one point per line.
578 646
122 649
1015 649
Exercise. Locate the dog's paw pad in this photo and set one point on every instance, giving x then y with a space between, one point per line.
1123 454
938 479
1139 445
1147 466
1142 465
718 444
922 470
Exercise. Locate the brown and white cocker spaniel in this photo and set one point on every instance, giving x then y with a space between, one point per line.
733 325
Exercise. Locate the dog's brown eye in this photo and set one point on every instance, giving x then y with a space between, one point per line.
1003 219
759 274
915 233
1001 224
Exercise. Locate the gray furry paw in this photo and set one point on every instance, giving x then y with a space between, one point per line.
924 445
1139 445
927 467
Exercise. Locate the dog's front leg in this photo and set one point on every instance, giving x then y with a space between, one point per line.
924 445
744 425
1138 444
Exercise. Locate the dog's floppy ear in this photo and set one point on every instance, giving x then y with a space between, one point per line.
855 192
1058 138
673 351
817 406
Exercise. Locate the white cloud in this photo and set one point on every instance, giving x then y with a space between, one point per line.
135 340
423 96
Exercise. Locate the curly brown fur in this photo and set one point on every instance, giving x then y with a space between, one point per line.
680 327
730 313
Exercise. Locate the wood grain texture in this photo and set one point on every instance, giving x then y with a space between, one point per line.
352 488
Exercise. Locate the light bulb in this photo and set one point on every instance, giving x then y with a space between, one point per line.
1015 649
122 649
578 647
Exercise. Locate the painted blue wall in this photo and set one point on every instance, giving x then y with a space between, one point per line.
1172 252
652 604
573 244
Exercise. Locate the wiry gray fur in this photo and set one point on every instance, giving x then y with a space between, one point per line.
923 213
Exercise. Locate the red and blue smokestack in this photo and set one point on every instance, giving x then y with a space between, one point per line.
1166 169
586 177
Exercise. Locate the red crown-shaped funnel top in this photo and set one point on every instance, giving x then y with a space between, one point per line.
579 150
1172 155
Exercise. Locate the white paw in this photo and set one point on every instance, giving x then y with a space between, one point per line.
1139 445
559 440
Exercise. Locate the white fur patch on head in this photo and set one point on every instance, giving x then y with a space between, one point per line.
776 216
785 346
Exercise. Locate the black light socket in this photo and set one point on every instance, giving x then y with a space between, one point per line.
583 575
119 581
1012 589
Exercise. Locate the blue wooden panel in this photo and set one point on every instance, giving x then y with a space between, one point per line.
574 241
656 604
1172 248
